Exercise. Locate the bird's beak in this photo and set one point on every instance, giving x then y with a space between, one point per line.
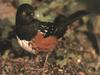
25 45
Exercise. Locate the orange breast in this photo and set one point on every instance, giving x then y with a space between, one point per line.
44 44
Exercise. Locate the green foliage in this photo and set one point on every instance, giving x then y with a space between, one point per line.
5 55
25 1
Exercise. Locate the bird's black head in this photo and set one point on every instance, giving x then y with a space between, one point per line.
25 25
24 14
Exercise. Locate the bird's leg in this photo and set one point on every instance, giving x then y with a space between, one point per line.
46 61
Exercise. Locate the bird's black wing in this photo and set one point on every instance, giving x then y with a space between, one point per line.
47 28
60 24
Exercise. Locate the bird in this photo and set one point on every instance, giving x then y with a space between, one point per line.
36 36
41 36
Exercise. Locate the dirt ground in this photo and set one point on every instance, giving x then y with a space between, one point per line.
76 54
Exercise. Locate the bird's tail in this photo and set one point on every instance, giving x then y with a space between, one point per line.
63 21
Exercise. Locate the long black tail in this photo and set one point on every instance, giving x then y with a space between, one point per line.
63 22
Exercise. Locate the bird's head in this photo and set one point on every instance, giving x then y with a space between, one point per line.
25 26
24 14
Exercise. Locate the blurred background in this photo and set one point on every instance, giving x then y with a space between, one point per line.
78 53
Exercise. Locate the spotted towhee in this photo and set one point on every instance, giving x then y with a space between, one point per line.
36 36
